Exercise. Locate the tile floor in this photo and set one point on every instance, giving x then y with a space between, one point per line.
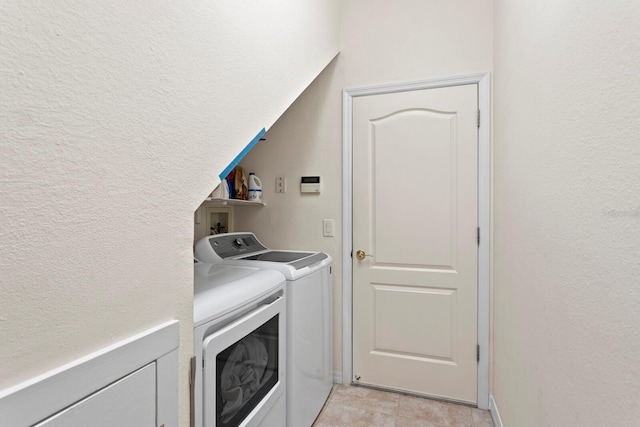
350 406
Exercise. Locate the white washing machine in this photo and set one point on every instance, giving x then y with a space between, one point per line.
240 347
309 315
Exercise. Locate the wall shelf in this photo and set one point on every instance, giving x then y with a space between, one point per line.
233 202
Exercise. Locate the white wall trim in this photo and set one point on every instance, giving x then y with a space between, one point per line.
34 400
484 222
347 216
493 408
484 202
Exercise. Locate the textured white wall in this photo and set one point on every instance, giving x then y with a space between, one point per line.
380 43
567 213
115 119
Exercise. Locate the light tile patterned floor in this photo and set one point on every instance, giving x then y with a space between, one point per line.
363 407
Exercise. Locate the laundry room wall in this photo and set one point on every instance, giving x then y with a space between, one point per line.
413 40
115 120
567 213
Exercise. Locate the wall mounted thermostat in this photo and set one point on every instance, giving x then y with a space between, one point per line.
310 184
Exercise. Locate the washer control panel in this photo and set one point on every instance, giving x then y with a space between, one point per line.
234 244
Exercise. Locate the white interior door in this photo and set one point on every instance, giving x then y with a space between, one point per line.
415 202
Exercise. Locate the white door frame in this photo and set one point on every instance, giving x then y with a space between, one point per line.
484 201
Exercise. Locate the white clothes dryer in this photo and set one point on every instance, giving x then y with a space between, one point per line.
309 315
240 347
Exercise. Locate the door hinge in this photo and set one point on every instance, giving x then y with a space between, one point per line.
478 236
478 353
478 118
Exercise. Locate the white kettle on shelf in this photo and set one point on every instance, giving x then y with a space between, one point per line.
255 188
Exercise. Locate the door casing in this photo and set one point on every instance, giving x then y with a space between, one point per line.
484 211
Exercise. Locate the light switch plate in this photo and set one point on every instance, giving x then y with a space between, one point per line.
281 184
328 228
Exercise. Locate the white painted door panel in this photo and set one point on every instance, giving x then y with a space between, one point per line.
415 212
129 402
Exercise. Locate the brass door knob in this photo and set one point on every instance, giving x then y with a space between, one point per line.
360 254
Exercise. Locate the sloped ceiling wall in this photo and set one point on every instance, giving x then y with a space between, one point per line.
116 118
276 49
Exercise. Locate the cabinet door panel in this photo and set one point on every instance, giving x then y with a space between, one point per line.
129 402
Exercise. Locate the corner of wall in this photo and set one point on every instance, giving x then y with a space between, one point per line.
495 414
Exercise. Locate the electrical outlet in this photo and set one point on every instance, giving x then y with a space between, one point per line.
281 184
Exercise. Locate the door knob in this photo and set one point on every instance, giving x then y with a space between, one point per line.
360 254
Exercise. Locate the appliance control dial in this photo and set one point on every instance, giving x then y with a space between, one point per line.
237 242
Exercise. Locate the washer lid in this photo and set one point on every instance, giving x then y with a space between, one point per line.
221 289
245 246
297 260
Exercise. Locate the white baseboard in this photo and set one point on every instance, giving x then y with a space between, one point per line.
337 377
493 408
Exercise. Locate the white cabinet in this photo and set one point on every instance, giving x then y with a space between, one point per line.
131 401
132 383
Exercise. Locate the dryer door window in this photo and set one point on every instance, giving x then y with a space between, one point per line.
243 367
246 372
